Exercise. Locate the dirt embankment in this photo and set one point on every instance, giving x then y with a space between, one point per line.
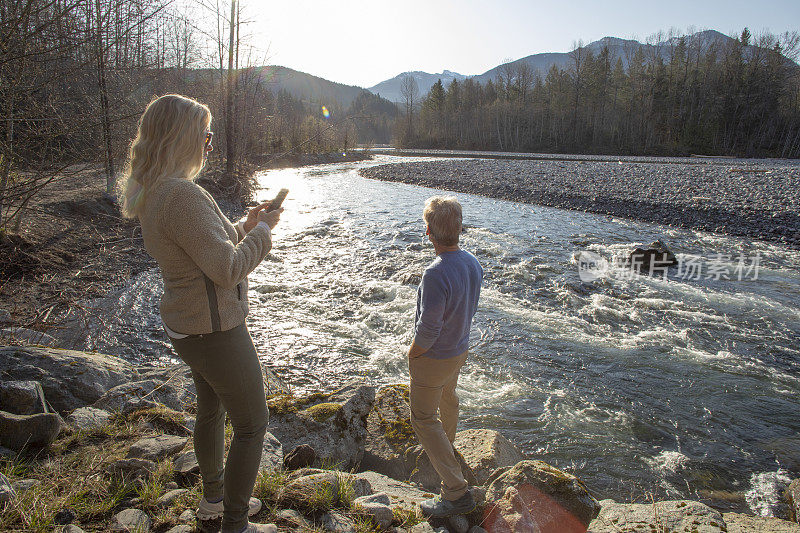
73 245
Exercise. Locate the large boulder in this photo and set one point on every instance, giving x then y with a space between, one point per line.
22 397
421 472
486 450
391 447
70 379
552 498
389 433
673 515
333 424
172 387
28 431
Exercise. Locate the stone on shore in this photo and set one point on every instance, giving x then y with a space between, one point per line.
181 528
32 431
458 523
402 495
187 516
422 527
793 499
302 456
297 520
486 450
673 515
70 528
272 454
88 418
377 506
70 379
22 397
333 424
156 448
24 485
170 390
7 492
742 523
170 497
305 485
131 520
337 522
130 469
549 495
185 468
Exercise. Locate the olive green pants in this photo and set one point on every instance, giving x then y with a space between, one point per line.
227 374
434 416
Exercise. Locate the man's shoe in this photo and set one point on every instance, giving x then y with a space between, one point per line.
211 511
438 507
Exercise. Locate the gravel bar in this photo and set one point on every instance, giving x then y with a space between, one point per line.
755 198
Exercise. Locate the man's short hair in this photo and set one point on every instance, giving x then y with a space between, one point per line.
442 214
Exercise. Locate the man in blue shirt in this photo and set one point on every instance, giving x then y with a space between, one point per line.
446 302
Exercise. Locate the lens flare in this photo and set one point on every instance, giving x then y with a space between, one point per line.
325 112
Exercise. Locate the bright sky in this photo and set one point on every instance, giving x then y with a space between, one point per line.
363 42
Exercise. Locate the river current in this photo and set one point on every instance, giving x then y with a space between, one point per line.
680 387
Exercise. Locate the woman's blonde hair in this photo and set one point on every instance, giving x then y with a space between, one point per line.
442 214
170 143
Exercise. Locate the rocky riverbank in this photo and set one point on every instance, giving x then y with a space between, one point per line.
758 199
92 443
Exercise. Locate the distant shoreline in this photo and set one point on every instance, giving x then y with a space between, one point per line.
756 198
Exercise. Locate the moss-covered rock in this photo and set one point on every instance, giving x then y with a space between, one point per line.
389 433
539 489
332 423
324 411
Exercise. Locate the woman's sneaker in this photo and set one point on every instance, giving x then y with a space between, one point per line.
438 507
211 511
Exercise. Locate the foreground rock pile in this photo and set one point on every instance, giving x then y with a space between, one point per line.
108 448
735 197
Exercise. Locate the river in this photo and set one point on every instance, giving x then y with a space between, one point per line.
679 387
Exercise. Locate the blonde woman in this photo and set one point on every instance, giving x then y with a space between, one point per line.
204 260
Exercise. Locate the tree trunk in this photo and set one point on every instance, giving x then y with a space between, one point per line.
230 119
104 108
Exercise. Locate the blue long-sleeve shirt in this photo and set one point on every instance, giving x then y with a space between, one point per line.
447 299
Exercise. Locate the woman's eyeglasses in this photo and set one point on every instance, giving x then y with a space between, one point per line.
209 136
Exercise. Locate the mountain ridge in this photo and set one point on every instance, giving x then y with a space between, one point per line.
542 62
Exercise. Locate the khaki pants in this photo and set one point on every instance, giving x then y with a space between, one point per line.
227 374
434 416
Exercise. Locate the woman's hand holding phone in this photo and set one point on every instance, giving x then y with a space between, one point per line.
270 217
252 216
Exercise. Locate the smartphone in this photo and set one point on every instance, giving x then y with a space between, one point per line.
278 201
